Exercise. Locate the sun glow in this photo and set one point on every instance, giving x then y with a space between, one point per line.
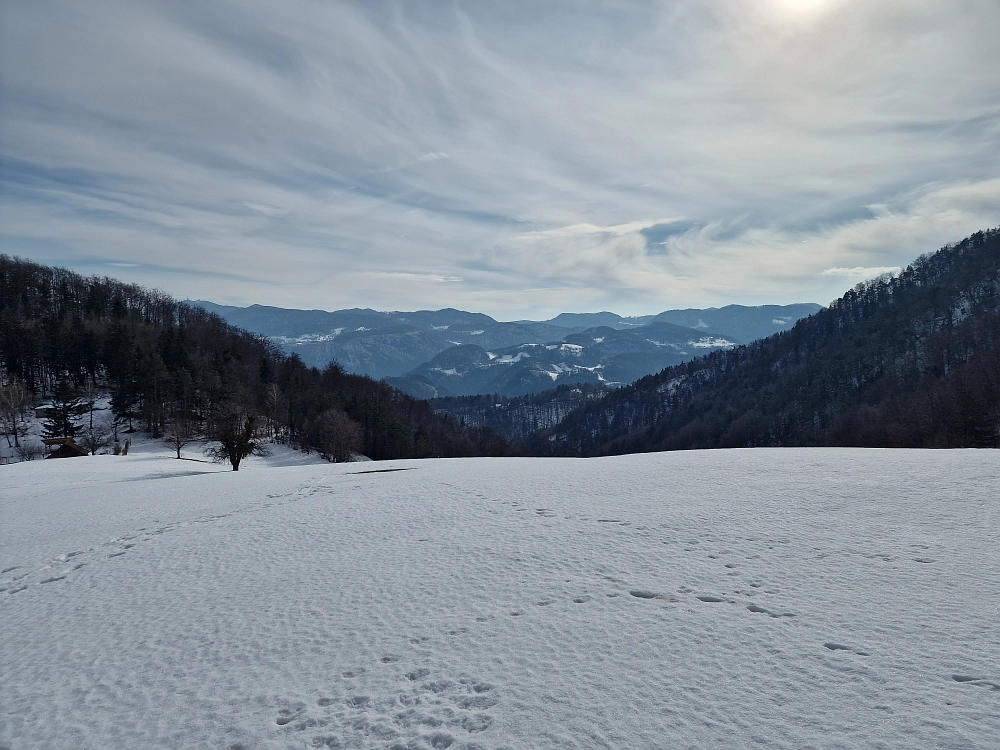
802 10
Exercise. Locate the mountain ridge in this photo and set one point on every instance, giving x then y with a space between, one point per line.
398 344
911 360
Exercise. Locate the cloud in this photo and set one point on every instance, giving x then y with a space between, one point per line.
860 272
318 153
435 156
410 276
577 230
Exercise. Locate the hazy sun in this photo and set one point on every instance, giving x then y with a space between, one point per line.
802 10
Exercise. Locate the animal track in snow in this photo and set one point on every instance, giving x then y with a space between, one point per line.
58 568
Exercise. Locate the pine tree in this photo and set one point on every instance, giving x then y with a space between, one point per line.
64 413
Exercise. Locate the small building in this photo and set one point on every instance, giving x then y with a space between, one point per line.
67 448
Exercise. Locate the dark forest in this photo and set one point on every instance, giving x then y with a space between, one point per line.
176 369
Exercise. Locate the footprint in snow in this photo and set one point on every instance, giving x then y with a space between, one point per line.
980 681
642 594
439 713
769 613
841 647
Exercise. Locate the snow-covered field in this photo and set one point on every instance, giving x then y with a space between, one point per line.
772 598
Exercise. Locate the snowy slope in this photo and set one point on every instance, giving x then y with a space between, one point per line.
754 598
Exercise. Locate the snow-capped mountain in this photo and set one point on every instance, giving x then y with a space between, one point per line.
394 344
596 355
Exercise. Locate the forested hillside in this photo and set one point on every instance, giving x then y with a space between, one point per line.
170 365
515 418
911 360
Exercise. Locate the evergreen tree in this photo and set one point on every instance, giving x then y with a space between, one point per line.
64 413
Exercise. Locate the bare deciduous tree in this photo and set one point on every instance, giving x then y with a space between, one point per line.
15 399
92 439
179 433
336 436
29 451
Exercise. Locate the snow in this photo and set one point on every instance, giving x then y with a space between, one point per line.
507 359
711 342
561 368
773 598
310 338
654 342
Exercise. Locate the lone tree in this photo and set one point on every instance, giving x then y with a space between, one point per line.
180 432
336 436
235 431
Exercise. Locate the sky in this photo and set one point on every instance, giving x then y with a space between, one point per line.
516 158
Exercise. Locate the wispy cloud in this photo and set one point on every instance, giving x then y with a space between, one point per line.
363 153
860 272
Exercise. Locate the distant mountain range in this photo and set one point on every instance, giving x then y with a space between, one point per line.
435 353
600 355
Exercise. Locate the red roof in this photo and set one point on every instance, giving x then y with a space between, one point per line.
68 450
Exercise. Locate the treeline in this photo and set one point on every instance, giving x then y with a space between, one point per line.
173 367
900 361
516 418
